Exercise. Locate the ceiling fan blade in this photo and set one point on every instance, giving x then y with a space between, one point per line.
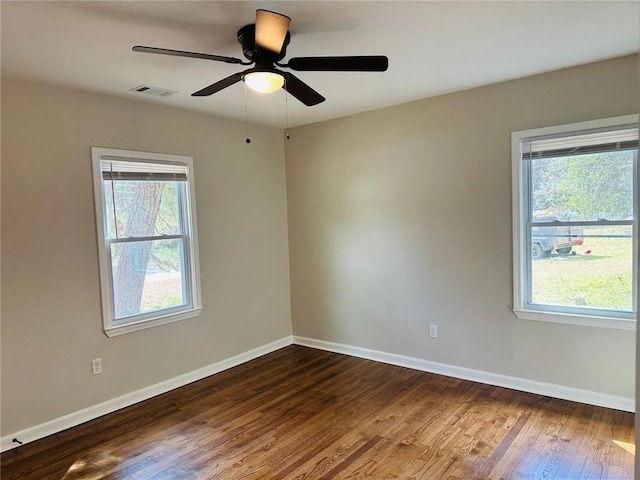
216 87
301 90
271 30
372 63
180 53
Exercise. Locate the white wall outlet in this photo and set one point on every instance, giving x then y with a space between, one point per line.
433 331
96 366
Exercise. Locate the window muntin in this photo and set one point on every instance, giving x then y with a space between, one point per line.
146 227
576 221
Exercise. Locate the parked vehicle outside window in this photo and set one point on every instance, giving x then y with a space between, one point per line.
560 239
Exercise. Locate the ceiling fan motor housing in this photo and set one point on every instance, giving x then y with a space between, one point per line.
247 39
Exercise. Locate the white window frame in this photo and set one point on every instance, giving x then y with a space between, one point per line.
521 248
112 327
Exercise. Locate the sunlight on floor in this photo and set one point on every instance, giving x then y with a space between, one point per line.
92 466
629 447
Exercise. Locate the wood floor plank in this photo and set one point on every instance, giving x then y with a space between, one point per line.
305 414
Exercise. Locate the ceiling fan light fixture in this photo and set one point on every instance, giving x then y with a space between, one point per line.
264 44
264 82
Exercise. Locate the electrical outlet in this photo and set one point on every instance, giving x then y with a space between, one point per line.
433 331
96 366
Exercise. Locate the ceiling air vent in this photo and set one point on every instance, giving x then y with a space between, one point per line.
153 91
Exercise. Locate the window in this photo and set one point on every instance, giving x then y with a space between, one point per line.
145 213
575 223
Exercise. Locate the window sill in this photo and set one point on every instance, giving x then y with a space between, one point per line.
114 331
584 320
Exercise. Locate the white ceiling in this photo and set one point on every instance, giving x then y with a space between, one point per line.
433 47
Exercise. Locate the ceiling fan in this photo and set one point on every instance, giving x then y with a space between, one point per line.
265 44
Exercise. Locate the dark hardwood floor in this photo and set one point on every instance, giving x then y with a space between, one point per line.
300 413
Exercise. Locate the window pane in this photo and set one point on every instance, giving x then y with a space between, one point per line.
147 276
584 187
596 274
142 208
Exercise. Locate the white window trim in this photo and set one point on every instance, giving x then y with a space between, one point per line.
519 237
163 317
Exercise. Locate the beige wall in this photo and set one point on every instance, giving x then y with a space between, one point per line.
401 217
397 218
51 323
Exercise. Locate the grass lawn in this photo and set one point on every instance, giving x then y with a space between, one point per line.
602 278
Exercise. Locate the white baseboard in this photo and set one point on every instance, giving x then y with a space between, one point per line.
542 388
81 416
515 383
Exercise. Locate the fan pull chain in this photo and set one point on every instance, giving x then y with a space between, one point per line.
286 107
246 114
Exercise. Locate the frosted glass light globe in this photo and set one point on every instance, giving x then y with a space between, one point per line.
264 82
